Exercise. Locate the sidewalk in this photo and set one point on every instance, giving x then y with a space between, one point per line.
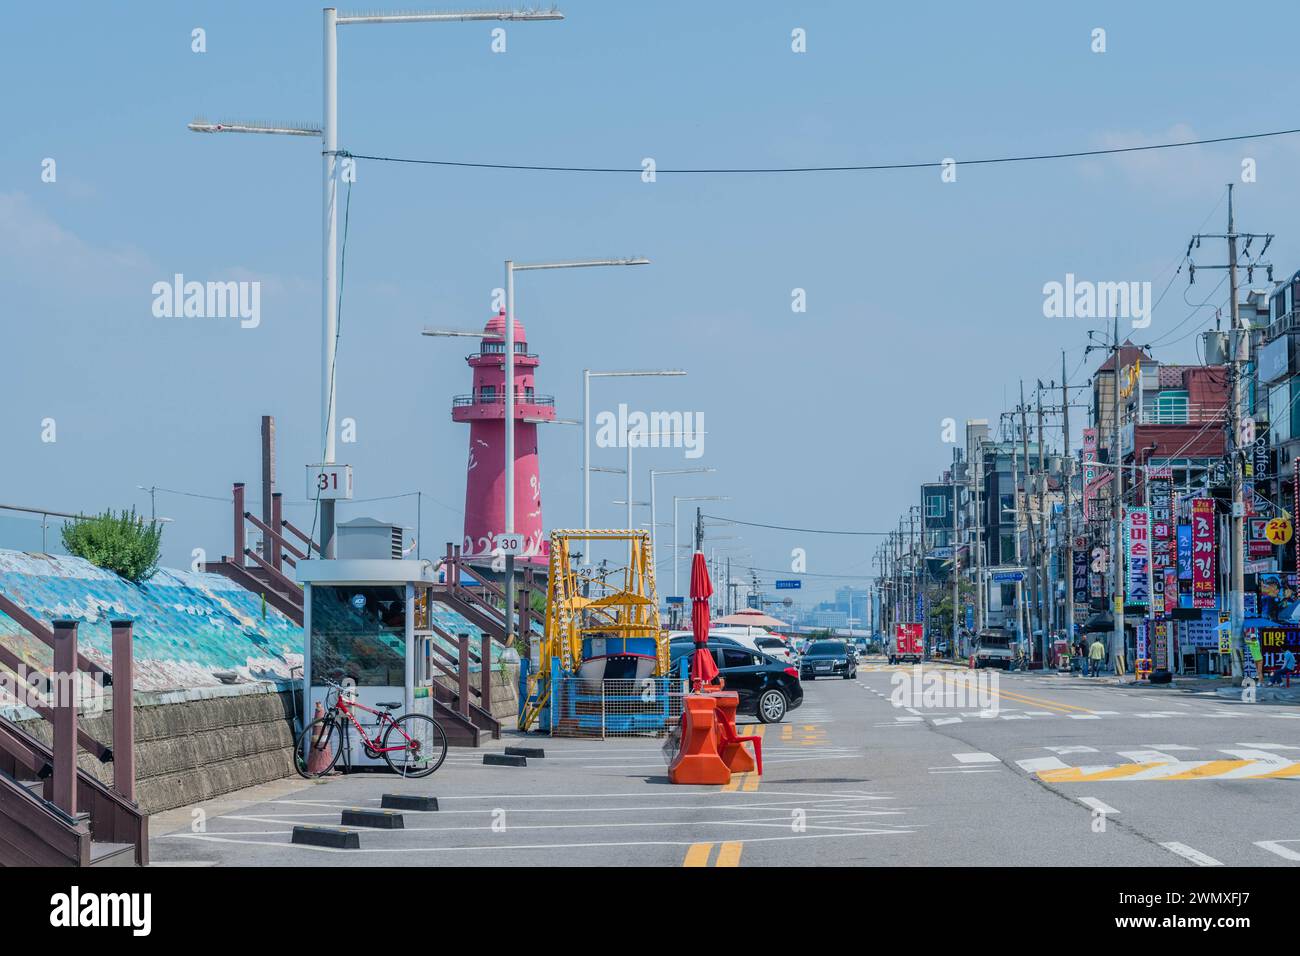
1218 685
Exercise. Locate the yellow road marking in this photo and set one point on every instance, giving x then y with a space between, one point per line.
1021 699
1292 770
1211 768
698 854
751 782
1076 774
729 854
733 784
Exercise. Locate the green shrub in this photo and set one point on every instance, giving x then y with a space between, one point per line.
124 544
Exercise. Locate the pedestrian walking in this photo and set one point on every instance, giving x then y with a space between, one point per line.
1096 654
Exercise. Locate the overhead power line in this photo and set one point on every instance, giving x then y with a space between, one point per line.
777 527
871 167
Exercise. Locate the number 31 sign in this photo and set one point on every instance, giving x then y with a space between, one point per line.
326 482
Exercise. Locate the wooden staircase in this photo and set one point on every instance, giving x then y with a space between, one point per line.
52 813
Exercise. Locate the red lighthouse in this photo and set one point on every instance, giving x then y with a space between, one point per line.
485 410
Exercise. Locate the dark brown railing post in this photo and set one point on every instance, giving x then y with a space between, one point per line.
237 555
462 677
485 675
277 515
123 710
65 716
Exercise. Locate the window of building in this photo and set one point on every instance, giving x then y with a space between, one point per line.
936 506
1171 407
488 393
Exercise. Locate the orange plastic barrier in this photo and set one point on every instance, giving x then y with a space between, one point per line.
711 751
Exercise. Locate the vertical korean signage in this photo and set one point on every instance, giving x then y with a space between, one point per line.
1089 474
1137 545
1160 491
1203 563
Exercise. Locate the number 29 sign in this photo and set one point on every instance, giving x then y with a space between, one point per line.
325 482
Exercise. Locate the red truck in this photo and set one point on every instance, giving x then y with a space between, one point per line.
908 643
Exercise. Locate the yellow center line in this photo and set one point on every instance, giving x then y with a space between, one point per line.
1021 699
698 854
729 854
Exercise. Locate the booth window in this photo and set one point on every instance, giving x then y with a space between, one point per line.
361 631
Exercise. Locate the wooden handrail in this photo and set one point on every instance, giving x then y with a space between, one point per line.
46 636
275 536
306 539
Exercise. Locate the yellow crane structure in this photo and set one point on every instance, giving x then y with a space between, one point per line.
582 606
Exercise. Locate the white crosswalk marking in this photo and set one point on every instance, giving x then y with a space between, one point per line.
1263 756
1085 717
1042 763
1072 750
942 721
1252 743
1147 756
978 757
1187 853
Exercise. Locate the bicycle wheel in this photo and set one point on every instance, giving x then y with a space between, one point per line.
420 745
318 748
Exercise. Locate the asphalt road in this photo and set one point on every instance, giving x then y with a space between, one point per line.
1023 770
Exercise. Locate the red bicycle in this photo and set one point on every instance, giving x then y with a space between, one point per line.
412 745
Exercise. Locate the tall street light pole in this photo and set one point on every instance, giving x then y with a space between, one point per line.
330 155
511 267
676 549
587 376
655 473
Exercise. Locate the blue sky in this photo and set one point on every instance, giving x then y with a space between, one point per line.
924 298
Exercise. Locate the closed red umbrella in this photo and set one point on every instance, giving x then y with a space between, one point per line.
704 670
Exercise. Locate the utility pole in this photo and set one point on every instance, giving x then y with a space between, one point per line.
1067 469
1239 339
1117 515
977 481
1031 559
1044 590
956 565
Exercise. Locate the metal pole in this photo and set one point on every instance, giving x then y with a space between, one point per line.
675 588
1067 463
586 450
509 423
1238 582
956 633
979 537
329 276
1117 518
654 555
628 441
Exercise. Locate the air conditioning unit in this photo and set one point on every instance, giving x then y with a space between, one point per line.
366 538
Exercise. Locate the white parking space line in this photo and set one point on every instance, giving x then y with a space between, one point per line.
977 757
1187 853
1275 846
1042 763
1095 804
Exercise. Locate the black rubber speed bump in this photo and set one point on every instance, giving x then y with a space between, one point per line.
375 819
525 752
332 837
408 801
504 760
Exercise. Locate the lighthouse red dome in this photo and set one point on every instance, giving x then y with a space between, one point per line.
496 327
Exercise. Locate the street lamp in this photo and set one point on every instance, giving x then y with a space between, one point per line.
330 156
587 376
511 268
654 473
676 555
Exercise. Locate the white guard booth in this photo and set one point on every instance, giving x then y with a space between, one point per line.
359 619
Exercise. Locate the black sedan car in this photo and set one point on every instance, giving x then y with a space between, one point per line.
767 688
828 659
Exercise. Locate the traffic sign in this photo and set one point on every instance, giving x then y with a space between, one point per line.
509 543
1007 575
675 599
788 585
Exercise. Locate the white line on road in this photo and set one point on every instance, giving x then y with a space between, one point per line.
1072 750
1252 743
1275 846
1095 804
1187 853
1042 763
977 757
1084 716
941 721
1147 756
